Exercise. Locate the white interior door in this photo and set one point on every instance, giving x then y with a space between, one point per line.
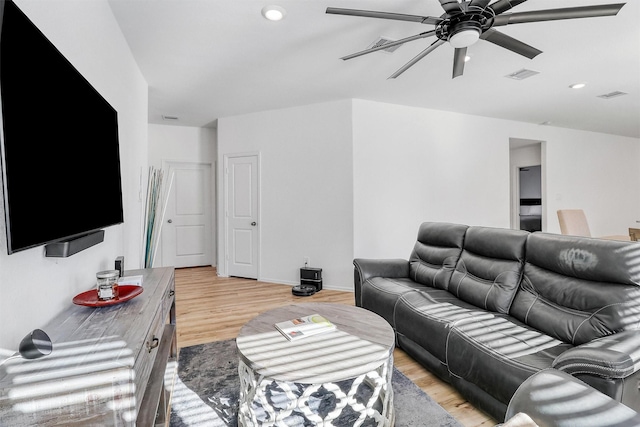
242 216
187 238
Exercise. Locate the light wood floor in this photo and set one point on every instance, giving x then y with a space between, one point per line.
211 308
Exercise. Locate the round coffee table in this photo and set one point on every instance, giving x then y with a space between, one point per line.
336 378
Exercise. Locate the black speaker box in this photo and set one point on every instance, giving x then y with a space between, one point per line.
119 265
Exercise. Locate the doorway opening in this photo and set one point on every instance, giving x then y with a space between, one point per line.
530 201
527 184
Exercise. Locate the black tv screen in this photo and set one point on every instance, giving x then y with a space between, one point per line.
59 140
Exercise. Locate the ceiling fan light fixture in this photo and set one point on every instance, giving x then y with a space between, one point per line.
464 38
274 13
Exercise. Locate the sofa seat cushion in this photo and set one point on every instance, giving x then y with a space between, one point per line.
499 353
380 295
426 318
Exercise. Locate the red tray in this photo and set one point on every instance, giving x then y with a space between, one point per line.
90 298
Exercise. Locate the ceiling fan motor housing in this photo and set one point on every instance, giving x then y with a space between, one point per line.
464 29
464 33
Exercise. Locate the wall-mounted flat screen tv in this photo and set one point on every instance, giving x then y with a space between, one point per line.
59 141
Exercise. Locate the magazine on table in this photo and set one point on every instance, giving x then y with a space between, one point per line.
305 326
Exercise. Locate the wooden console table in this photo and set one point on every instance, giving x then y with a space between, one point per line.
112 365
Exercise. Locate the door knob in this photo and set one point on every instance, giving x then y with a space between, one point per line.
254 223
170 221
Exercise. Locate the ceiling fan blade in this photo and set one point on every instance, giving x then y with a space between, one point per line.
508 42
384 15
458 61
390 44
479 3
557 14
451 6
421 55
504 5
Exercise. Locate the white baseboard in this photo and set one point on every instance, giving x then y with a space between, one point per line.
278 281
348 288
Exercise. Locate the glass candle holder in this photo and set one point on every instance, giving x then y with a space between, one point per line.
107 284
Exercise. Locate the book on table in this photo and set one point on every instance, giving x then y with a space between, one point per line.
305 326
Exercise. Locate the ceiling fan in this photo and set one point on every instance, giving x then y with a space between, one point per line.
464 22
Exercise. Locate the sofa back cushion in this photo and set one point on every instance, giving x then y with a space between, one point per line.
490 267
436 253
577 288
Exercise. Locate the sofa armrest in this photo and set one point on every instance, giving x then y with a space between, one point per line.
613 356
554 398
368 268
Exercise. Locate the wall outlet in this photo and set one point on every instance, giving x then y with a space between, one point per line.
306 261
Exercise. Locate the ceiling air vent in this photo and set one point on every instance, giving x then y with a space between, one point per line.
522 74
382 41
169 118
613 94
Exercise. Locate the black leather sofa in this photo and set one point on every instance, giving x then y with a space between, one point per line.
552 398
486 308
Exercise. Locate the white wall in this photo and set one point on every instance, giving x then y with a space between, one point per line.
306 189
184 144
408 165
33 289
413 165
526 156
595 172
181 144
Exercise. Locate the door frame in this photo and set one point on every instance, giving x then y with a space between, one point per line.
166 166
224 247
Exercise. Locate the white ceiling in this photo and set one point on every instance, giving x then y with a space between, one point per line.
206 59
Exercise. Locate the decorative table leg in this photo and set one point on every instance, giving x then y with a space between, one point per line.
351 402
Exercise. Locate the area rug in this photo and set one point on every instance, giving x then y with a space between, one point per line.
207 388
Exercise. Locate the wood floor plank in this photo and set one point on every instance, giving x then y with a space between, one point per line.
211 308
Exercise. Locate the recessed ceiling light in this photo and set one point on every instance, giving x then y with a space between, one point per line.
578 85
467 58
273 12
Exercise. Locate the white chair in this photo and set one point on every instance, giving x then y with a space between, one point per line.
574 222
